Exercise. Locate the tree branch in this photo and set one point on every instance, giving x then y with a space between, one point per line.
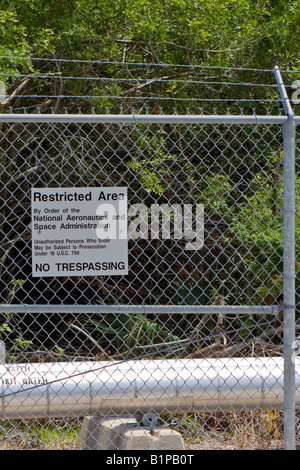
168 43
17 91
75 327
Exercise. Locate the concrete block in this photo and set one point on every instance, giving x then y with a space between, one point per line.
125 433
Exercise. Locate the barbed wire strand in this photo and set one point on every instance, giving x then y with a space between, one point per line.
143 64
246 100
153 80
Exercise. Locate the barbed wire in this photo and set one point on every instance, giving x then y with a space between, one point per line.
57 76
217 100
135 84
143 64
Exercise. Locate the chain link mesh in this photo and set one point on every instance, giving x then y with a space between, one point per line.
235 172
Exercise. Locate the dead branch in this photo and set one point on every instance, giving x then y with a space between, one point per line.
17 91
75 327
168 43
229 351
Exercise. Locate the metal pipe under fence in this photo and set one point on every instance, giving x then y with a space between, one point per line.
129 387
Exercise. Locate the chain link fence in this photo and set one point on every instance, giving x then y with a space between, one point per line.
203 291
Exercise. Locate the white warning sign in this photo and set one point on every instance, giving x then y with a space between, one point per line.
79 231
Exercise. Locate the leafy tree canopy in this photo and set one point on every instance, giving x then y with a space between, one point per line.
234 33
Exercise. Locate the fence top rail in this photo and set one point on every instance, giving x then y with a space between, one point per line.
143 309
145 118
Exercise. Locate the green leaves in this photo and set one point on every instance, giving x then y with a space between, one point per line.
146 332
259 227
242 33
219 32
13 42
152 161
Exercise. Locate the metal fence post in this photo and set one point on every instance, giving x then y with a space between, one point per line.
289 282
289 138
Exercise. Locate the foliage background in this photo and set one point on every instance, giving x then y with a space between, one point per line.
118 34
156 56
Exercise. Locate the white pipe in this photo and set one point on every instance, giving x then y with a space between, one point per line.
164 386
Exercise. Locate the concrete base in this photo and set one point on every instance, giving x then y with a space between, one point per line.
126 433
